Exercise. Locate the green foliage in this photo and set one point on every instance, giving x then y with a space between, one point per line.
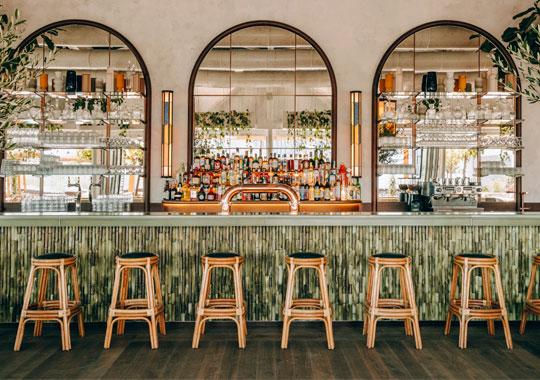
18 66
523 44
212 128
308 126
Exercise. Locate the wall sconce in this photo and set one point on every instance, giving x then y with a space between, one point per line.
356 133
166 133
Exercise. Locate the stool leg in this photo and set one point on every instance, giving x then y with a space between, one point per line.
327 308
200 308
62 290
114 300
243 301
288 305
150 298
77 296
239 306
504 314
406 300
124 285
42 292
26 303
159 300
486 287
207 298
372 324
412 302
528 298
453 285
367 301
463 320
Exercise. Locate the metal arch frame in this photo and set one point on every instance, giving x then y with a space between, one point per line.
375 85
210 45
148 94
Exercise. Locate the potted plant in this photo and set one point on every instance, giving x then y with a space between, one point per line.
523 44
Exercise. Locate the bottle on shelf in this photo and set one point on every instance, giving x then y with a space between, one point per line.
313 177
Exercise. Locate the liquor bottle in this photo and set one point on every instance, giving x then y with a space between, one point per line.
317 192
201 196
255 163
185 191
211 196
311 192
327 192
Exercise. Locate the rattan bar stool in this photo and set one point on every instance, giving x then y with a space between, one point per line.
532 305
307 308
465 308
149 309
403 308
61 310
221 308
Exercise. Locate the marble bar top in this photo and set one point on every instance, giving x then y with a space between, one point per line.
282 219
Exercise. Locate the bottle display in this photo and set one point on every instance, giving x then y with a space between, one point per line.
313 177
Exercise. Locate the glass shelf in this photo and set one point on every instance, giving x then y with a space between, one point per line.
75 95
396 169
71 170
503 170
447 95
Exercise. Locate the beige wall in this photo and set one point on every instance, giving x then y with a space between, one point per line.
170 34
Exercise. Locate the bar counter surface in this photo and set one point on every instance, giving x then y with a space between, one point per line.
348 239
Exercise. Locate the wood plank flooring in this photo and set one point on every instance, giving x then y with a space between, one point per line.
218 357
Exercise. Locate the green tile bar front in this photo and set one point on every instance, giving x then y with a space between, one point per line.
264 245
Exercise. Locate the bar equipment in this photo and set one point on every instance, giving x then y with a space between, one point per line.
455 194
228 195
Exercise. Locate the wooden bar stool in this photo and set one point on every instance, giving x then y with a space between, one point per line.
465 308
221 308
307 308
149 309
61 310
403 308
532 305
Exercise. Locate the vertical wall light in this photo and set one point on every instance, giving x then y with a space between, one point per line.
166 132
356 133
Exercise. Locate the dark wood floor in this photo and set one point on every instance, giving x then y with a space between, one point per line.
218 357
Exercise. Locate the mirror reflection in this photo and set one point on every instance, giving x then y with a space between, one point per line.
263 90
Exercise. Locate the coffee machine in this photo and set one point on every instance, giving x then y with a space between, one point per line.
458 194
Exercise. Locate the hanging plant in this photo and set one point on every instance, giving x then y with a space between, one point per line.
310 127
213 127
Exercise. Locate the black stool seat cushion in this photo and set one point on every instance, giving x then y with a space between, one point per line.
54 256
305 255
137 255
221 255
475 255
390 255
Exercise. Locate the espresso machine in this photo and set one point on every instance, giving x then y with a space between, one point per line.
455 194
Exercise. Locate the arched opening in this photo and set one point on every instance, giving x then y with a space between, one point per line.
93 116
463 129
264 87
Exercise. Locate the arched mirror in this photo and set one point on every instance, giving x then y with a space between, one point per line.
83 140
446 124
262 88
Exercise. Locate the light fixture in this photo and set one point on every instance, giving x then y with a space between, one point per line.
166 133
356 133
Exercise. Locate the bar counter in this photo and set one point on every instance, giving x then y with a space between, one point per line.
264 239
